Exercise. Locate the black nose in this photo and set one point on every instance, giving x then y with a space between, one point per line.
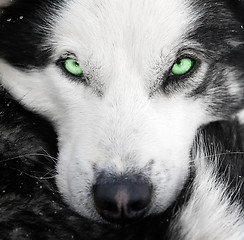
122 200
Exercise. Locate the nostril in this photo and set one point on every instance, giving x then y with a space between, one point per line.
107 205
141 196
104 197
138 205
122 200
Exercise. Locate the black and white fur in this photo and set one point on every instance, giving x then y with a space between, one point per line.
126 116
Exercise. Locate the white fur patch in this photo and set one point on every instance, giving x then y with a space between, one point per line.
209 214
120 45
125 130
241 116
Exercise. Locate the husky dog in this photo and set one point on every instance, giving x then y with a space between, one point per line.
127 86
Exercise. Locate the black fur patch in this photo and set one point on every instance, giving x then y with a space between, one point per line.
225 139
220 31
23 41
30 205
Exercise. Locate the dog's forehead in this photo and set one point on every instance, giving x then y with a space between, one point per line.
135 31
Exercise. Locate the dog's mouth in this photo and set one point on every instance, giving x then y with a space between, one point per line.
125 225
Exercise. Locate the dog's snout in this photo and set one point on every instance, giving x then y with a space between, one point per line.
122 200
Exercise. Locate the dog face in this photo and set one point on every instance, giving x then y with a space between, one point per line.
126 86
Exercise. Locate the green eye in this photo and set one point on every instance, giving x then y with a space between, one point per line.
182 67
73 67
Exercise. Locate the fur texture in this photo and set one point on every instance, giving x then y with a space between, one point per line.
126 115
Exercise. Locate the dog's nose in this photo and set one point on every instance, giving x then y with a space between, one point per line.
122 200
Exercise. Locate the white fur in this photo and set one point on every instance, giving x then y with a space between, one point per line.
122 46
113 124
209 214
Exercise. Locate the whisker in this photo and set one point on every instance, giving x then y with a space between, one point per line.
48 154
30 155
51 172
40 180
27 174
223 154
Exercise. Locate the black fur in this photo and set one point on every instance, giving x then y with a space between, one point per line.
22 38
218 30
225 140
30 205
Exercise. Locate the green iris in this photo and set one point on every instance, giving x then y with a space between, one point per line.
182 67
72 66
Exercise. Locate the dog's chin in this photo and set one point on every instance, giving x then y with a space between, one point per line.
122 226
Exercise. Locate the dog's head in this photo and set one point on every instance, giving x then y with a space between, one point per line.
126 85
